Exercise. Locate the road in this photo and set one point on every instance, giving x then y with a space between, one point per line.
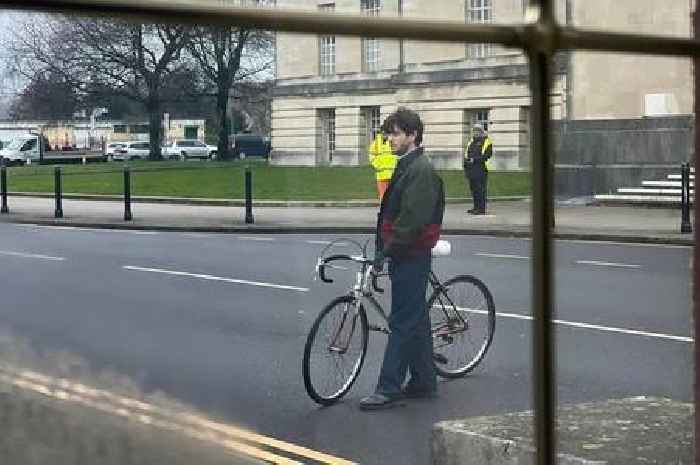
219 322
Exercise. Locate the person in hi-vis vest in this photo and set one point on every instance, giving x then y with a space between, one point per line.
383 160
476 160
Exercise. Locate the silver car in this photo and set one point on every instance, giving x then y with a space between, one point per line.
133 151
187 148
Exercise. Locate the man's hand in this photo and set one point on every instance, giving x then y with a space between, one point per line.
378 263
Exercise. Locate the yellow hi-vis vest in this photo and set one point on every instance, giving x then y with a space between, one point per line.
382 158
487 144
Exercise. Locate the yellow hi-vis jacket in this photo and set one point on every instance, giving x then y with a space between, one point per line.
484 148
382 158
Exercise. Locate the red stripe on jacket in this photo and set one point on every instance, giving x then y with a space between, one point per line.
426 240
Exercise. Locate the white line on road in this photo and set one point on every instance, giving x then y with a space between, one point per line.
319 242
100 230
625 244
31 255
246 238
608 264
216 278
576 324
496 255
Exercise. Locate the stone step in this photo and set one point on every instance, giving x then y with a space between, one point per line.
630 199
649 191
677 184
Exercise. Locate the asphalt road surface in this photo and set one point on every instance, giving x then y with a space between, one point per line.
220 322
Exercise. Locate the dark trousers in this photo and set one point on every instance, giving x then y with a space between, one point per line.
478 181
409 349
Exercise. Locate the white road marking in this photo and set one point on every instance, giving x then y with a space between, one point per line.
495 255
625 244
608 264
576 324
216 278
246 238
31 255
101 230
319 242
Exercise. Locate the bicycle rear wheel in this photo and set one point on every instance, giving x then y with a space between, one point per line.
462 321
335 350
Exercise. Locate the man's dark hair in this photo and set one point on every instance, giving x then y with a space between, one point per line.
406 120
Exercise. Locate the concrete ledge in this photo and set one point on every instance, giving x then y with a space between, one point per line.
634 430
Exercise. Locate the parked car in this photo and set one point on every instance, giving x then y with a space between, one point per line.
133 151
186 148
213 151
113 146
250 145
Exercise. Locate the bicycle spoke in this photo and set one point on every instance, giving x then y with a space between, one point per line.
462 322
335 350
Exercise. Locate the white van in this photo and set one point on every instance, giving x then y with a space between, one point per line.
21 149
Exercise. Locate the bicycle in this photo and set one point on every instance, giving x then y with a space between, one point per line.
340 333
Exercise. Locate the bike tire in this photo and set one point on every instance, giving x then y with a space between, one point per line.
448 311
312 381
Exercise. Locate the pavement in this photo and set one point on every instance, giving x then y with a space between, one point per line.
575 219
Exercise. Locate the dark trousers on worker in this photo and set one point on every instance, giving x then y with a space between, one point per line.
409 349
478 181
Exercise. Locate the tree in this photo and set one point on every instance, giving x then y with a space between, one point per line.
47 96
228 55
136 61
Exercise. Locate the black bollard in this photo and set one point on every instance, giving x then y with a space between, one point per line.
57 185
686 227
3 188
248 196
127 194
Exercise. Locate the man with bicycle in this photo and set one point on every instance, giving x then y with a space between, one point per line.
409 223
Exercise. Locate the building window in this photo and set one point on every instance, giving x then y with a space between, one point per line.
325 135
375 119
371 124
371 52
326 47
479 12
330 131
120 129
191 132
139 129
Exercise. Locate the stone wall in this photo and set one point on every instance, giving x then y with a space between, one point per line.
598 156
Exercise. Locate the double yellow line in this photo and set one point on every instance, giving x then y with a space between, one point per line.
228 437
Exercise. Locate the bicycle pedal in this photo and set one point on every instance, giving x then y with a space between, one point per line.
441 359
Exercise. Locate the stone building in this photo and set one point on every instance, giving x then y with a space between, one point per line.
331 92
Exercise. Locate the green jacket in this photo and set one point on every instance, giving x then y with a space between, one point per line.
410 217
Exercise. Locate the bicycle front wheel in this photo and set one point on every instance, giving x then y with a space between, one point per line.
335 350
462 320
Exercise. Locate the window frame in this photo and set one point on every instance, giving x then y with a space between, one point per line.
371 46
484 15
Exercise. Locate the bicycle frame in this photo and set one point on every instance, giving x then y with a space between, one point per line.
363 294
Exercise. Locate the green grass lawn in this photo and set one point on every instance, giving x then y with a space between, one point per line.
226 180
